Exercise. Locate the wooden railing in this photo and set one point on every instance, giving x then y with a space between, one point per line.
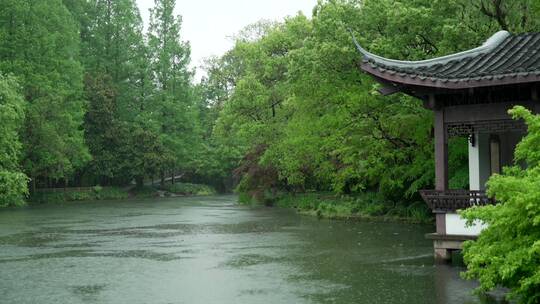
453 200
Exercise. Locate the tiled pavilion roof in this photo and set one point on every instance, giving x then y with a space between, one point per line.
503 59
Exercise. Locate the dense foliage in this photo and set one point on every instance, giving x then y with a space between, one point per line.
13 183
507 253
100 102
292 102
39 44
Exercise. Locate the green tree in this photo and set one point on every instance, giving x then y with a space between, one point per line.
507 252
256 112
39 44
105 133
113 47
118 87
173 102
13 182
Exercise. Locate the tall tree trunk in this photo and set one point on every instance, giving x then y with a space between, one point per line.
172 176
33 186
162 178
139 180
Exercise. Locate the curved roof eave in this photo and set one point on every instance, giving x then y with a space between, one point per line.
488 46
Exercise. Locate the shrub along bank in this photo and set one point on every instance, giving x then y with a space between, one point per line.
115 193
365 206
78 194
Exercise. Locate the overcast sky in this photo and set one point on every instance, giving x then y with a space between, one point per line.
208 24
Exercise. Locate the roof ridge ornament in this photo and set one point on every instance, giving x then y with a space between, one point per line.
490 44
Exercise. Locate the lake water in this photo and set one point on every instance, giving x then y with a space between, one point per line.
210 250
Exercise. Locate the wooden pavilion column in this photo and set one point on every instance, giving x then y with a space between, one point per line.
441 164
441 152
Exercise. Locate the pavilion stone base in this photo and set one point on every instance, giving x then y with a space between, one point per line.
444 244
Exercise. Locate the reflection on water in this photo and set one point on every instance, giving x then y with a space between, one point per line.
208 250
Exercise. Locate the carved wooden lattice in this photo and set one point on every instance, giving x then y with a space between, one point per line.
453 200
492 126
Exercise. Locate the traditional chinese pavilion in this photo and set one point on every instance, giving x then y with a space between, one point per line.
470 94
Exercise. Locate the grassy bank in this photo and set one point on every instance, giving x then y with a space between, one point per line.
366 206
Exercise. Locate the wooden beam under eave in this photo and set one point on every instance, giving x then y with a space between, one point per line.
482 112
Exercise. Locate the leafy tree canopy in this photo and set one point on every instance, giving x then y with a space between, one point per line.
507 253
